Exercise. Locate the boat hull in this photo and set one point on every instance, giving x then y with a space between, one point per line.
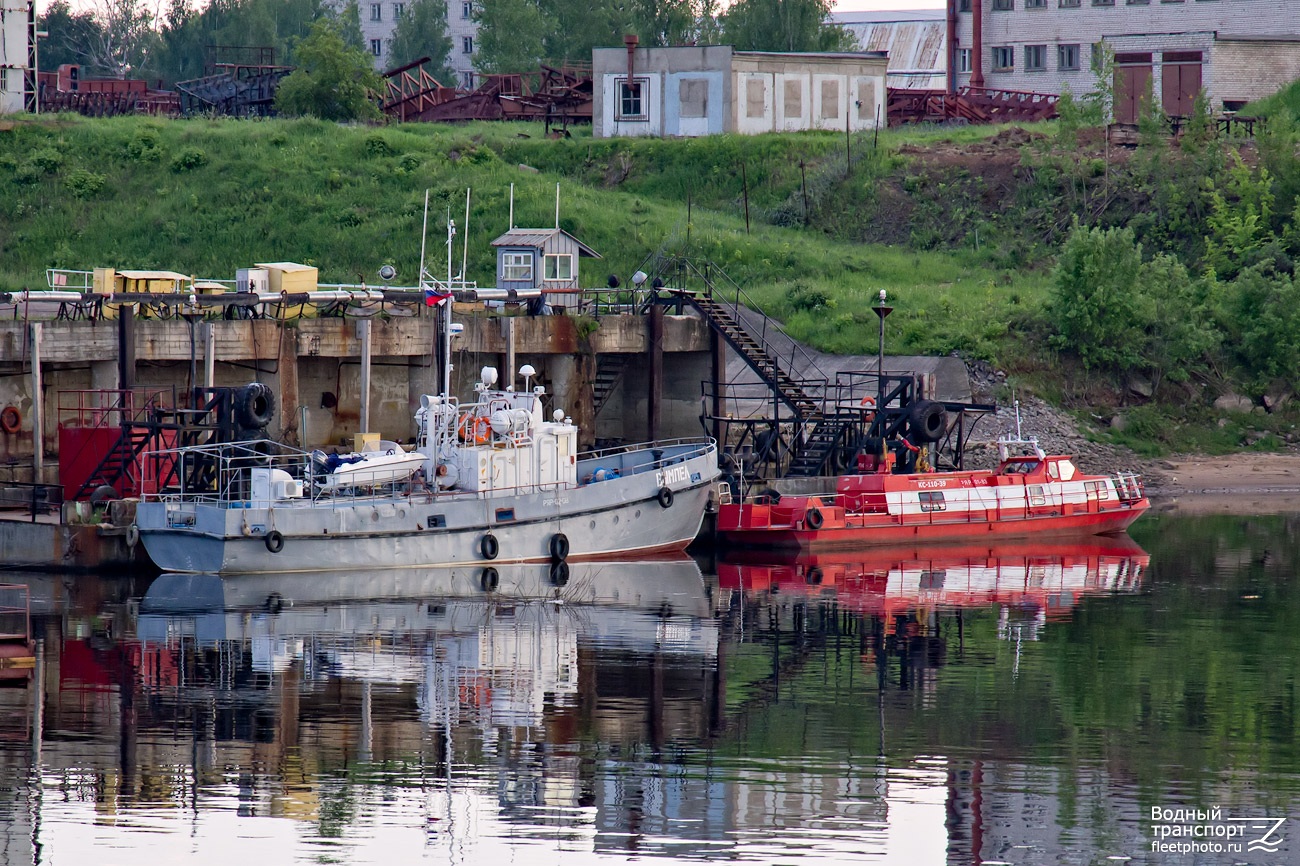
872 530
625 515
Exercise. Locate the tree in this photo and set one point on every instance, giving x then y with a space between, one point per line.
783 25
1096 303
422 32
70 35
332 81
510 36
349 22
124 38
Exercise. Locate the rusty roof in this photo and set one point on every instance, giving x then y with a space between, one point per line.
916 49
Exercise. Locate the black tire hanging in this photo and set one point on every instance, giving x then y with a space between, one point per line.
927 421
489 546
254 406
559 547
814 576
813 519
274 603
559 573
274 541
489 579
665 498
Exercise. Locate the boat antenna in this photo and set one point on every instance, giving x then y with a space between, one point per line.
1018 436
424 235
557 206
464 258
446 314
512 205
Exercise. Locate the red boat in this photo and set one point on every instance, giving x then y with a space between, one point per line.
1046 577
1029 495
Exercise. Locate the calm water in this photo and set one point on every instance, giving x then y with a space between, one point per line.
1023 705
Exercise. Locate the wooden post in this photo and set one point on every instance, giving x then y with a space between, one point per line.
656 379
38 406
744 182
718 364
287 363
363 333
126 347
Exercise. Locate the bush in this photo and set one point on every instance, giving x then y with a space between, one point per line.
189 159
84 184
47 159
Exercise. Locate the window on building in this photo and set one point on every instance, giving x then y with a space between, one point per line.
376 47
467 80
1004 58
376 11
1035 4
517 267
1068 4
631 102
1067 57
558 266
1035 58
963 60
399 9
467 10
793 98
830 99
694 96
755 97
467 45
963 5
1138 2
1103 2
1004 5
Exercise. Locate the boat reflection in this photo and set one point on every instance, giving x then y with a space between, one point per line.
1030 582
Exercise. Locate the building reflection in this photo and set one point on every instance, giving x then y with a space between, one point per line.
619 712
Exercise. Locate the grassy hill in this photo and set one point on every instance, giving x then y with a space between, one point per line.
209 196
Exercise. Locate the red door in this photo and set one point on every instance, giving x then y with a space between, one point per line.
1180 81
1132 86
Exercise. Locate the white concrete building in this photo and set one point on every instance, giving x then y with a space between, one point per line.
1237 50
703 90
17 59
379 19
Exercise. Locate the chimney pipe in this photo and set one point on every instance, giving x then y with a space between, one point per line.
630 40
977 43
952 46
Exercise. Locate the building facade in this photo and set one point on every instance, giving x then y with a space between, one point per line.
704 90
1236 50
17 55
379 19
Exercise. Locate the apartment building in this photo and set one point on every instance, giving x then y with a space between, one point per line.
1236 50
379 19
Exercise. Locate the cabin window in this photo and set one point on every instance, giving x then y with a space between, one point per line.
559 266
932 500
1094 490
1036 495
932 580
517 267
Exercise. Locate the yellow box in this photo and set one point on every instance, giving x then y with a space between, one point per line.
290 277
105 279
365 441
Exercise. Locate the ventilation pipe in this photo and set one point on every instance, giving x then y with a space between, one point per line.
630 40
977 43
952 46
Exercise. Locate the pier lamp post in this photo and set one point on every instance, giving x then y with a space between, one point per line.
881 310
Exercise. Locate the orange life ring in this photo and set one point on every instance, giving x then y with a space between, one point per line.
868 402
475 429
11 420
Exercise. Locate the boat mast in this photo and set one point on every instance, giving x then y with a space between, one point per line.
446 313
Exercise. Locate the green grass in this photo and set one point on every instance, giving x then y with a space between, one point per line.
1287 98
209 196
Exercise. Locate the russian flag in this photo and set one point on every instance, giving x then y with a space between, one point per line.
435 297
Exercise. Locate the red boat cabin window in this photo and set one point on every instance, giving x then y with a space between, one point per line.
1094 490
1036 496
932 500
1017 467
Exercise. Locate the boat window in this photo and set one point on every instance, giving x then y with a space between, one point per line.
1067 469
1036 496
437 521
1095 489
932 580
1019 467
505 514
932 500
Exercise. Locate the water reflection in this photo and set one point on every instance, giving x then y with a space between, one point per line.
1022 704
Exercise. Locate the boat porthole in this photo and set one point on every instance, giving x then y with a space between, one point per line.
638 512
813 519
593 524
489 546
274 541
559 547
374 517
665 497
616 520
560 573
401 514
489 579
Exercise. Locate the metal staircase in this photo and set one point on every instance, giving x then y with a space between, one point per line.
609 372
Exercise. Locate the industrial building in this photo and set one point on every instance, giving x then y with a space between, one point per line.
379 20
916 41
1236 50
703 90
17 56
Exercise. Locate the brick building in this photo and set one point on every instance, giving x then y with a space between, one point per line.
1237 50
379 19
